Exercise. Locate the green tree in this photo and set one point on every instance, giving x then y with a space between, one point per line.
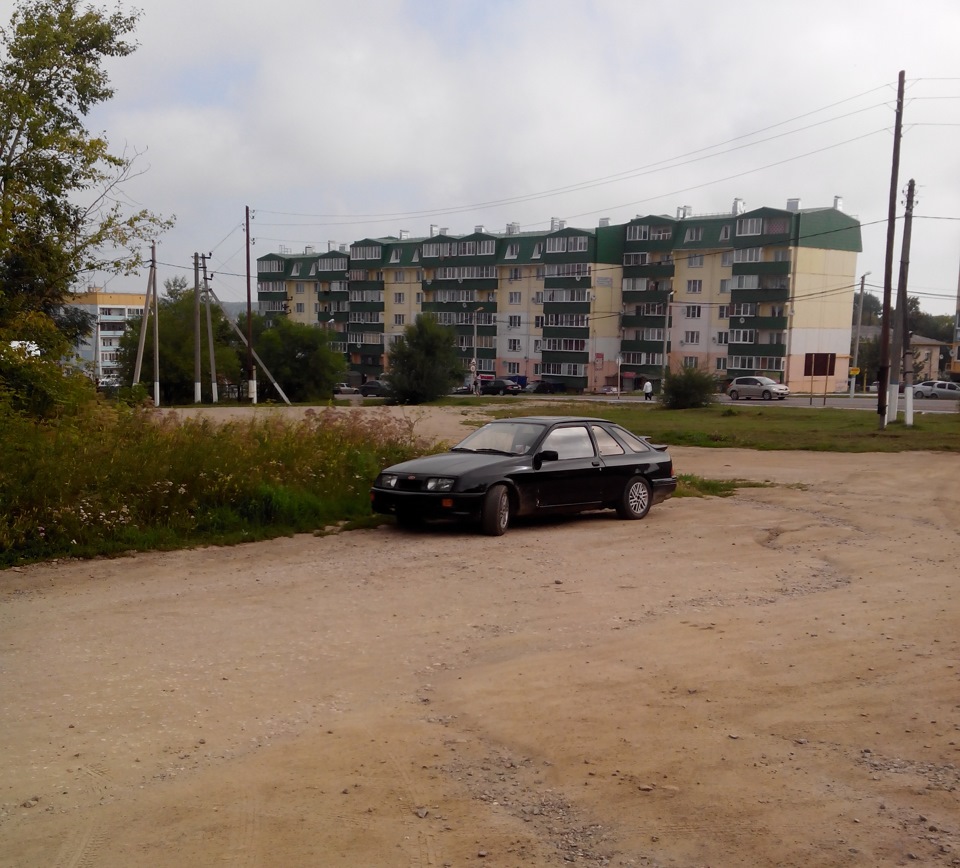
687 389
872 309
300 358
176 328
60 213
424 363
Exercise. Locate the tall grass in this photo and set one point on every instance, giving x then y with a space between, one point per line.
114 478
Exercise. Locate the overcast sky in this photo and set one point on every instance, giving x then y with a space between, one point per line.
336 120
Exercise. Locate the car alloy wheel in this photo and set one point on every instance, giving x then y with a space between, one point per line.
495 514
635 500
766 395
734 395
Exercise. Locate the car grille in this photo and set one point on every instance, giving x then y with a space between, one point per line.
404 484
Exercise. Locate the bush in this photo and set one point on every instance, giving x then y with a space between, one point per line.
688 389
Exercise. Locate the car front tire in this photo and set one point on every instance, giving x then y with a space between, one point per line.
635 500
495 514
766 395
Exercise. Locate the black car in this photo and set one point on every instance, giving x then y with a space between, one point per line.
544 387
530 465
500 387
374 389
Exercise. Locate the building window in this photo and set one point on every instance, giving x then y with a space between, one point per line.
634 284
723 338
777 226
372 251
691 337
694 233
300 307
513 345
723 312
468 248
516 273
398 298
399 319
487 247
664 232
726 258
695 261
695 286
513 322
692 311
638 232
513 251
300 289
742 336
781 254
725 232
537 250
636 258
557 245
419 298
577 244
721 363
748 254
538 346
514 298
395 255
725 285
512 367
744 309
749 226
538 322
400 276
690 361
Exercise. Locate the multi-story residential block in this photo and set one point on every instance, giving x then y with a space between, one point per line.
111 312
768 291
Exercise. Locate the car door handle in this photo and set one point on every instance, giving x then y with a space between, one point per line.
595 463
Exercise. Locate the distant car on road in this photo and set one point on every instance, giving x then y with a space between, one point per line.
374 389
937 389
345 389
544 387
756 387
532 465
500 387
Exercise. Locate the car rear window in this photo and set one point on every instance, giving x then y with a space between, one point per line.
631 441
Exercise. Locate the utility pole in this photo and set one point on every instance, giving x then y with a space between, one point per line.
251 382
213 356
196 330
907 354
884 379
156 331
856 340
141 342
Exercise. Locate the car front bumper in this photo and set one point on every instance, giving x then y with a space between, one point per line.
427 505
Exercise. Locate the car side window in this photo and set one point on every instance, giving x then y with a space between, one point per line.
570 442
605 442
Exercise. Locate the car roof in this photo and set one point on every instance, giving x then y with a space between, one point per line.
551 420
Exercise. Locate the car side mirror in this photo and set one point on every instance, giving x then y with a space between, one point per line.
545 455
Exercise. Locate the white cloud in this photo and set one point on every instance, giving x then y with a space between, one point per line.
373 108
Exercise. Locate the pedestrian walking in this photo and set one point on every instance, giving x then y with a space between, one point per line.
647 391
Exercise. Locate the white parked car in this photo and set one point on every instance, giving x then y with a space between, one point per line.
937 389
757 387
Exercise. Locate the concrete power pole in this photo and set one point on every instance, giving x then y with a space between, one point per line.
210 347
197 398
888 260
906 353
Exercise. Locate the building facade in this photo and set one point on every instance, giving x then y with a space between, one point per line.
767 291
111 312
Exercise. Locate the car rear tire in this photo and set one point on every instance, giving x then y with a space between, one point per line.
636 499
495 513
918 394
766 395
734 395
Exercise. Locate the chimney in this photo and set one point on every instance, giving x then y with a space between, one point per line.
478 228
679 212
687 211
433 229
343 248
563 224
331 245
604 222
838 203
738 207
404 234
513 229
444 230
554 224
793 204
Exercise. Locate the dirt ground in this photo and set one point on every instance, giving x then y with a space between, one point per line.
768 679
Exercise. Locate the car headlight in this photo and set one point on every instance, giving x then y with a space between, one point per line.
388 480
440 483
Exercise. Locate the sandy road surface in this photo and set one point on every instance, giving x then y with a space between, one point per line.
771 679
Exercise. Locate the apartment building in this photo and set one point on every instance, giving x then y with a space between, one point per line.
766 291
111 312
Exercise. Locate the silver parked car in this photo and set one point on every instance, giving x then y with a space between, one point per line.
757 387
937 389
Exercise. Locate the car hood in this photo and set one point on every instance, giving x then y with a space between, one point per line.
455 463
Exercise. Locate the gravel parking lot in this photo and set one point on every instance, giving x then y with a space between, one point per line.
768 679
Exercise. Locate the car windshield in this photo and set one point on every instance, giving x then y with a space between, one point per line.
766 381
511 438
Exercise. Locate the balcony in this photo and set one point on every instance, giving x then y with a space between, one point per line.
761 268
